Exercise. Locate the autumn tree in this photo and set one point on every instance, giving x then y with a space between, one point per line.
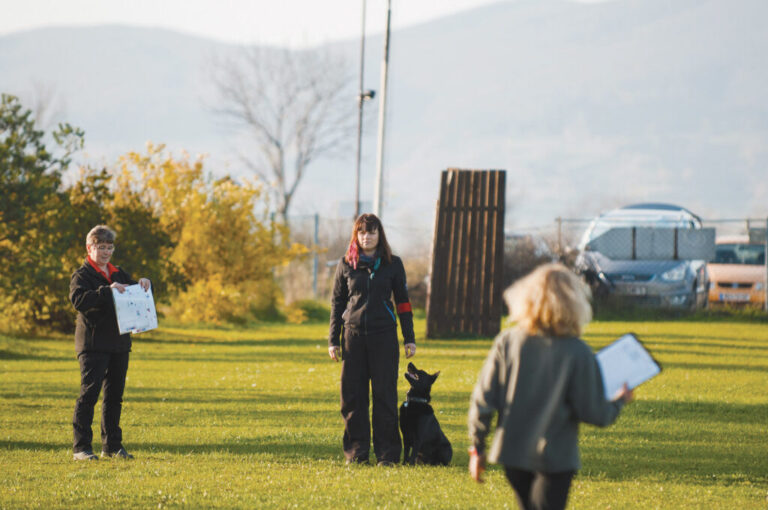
142 248
224 245
295 106
34 215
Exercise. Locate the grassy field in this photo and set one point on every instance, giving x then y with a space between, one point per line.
248 418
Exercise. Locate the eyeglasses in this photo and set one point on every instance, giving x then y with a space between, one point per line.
105 247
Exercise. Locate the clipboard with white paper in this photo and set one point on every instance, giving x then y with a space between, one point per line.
135 309
625 361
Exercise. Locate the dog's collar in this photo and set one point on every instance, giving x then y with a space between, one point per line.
418 400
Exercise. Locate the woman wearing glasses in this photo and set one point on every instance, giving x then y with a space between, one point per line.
101 350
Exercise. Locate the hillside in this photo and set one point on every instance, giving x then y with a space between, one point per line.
586 105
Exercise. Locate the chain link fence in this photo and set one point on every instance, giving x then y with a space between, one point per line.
667 258
656 264
327 239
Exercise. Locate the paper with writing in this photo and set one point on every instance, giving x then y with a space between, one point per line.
135 309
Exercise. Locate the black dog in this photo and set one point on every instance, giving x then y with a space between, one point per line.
423 439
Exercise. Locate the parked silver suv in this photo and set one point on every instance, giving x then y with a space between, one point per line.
670 281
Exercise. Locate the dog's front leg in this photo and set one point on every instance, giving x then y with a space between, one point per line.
407 439
418 444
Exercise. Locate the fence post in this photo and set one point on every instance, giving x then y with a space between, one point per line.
315 242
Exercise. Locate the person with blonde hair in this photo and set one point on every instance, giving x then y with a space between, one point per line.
542 380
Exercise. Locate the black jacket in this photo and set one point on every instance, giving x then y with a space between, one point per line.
361 300
96 327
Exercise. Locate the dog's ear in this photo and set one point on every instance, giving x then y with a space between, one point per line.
434 376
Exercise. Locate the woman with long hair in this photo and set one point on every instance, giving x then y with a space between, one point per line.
361 308
542 380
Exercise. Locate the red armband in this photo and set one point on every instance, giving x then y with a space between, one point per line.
404 307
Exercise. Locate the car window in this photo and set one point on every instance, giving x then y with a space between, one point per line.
602 225
739 253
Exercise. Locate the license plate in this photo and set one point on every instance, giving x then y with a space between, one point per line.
635 291
734 297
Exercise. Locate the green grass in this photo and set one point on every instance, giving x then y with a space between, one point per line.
248 418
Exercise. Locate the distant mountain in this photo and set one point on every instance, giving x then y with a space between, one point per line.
587 106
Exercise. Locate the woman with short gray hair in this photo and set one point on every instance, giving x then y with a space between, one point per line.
101 350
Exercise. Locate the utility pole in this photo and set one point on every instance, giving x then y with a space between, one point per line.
379 186
362 96
315 243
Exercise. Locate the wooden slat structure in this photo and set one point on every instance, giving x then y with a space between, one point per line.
464 295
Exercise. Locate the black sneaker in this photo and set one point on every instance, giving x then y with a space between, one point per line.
85 455
120 454
357 460
386 463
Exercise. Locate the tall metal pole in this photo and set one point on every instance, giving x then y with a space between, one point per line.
379 187
765 284
360 101
315 242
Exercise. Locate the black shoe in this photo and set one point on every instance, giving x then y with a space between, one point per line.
120 454
85 455
386 463
357 460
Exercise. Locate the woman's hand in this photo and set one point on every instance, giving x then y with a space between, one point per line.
145 284
334 352
476 465
410 350
625 394
119 286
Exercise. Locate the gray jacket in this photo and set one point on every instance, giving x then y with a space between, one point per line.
541 389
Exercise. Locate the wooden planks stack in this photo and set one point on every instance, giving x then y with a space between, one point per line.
464 295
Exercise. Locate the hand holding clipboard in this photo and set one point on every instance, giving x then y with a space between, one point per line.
625 361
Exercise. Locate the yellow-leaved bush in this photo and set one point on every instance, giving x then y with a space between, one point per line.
223 244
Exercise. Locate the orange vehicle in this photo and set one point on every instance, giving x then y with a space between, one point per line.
737 273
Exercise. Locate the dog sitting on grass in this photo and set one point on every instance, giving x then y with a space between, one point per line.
423 440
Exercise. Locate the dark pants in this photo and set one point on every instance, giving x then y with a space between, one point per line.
97 370
540 491
371 358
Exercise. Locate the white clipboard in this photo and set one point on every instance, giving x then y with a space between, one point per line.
135 309
626 361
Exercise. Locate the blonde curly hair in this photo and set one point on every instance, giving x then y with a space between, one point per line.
551 300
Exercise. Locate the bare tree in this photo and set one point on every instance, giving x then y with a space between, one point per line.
47 104
296 105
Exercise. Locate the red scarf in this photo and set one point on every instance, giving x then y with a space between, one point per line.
112 269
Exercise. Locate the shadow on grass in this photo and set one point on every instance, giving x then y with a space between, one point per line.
252 342
699 413
11 355
624 311
35 446
661 440
710 345
221 396
662 350
713 366
285 449
703 339
673 440
282 449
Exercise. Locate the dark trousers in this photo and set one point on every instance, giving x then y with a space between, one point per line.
97 370
371 358
540 491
